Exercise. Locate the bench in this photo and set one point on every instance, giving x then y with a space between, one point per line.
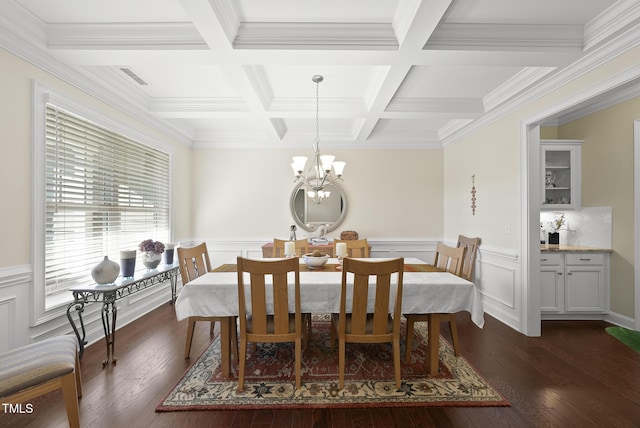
38 368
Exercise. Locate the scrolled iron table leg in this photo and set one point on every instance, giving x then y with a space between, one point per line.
174 287
109 313
78 304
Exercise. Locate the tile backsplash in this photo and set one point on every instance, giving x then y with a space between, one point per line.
589 227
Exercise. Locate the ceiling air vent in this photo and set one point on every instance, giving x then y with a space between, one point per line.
133 75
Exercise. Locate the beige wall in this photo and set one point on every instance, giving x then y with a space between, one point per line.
495 163
15 122
607 180
493 154
244 194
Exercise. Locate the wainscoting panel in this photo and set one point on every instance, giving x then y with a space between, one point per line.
497 275
7 318
15 284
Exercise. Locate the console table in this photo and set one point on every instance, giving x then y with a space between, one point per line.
109 294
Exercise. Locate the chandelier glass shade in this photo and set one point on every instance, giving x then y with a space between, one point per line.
324 170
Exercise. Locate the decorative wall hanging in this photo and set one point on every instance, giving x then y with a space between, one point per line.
473 194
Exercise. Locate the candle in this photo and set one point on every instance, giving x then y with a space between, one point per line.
289 248
341 249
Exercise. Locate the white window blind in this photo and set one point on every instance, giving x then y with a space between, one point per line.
104 193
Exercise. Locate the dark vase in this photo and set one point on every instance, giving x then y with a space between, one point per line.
554 238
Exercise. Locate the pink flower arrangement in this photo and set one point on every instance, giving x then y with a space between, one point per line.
149 245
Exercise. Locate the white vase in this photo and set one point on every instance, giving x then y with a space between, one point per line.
151 259
105 272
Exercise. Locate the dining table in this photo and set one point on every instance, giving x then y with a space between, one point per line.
426 290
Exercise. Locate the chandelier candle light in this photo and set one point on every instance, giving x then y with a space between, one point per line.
323 172
289 249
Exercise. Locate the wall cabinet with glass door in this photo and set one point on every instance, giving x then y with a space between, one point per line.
561 174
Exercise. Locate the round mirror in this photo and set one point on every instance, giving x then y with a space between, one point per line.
310 215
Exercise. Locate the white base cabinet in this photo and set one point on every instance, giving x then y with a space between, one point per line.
574 285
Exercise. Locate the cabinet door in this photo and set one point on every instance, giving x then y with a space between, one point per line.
552 290
584 289
551 283
561 178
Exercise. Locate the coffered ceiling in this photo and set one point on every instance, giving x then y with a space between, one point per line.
237 73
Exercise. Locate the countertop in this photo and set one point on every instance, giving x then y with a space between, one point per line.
572 249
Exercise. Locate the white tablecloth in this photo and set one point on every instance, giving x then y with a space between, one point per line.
216 294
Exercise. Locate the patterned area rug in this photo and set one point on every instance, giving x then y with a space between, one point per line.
270 378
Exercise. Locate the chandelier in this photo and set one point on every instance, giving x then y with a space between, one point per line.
323 172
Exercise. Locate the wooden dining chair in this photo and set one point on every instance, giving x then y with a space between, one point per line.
194 261
358 248
265 296
471 245
302 247
364 324
449 259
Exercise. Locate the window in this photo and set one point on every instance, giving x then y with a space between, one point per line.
103 192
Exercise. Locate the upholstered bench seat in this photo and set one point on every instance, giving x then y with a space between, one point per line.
41 367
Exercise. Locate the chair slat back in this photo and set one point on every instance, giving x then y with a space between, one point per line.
363 322
358 248
302 247
262 322
471 245
194 261
449 259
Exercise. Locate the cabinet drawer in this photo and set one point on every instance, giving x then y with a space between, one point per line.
551 259
584 259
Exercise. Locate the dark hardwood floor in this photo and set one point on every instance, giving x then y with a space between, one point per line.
575 375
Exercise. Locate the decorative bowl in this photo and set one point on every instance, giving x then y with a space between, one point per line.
315 262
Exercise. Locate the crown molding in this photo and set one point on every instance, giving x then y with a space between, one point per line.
524 79
595 106
599 56
22 23
452 128
620 16
312 35
124 36
506 36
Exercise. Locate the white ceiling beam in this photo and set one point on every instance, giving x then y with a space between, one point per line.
143 36
199 107
315 36
422 107
419 28
214 26
502 37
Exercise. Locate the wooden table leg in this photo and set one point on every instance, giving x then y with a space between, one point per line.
225 349
434 343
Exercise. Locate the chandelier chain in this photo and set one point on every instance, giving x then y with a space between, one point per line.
317 115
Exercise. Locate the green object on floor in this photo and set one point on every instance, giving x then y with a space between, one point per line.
631 338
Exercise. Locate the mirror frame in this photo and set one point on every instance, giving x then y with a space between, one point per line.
330 227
